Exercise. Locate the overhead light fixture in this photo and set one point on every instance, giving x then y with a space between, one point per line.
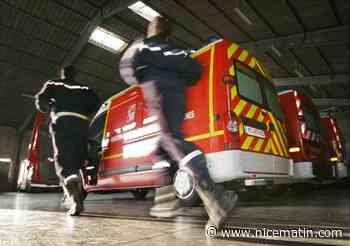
297 72
144 10
277 52
243 16
5 160
107 40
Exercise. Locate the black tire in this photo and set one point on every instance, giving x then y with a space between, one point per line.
192 201
139 194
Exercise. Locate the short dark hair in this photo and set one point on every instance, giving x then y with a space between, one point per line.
69 72
164 26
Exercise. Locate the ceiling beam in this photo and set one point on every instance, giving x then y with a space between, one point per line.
322 37
312 80
331 101
111 8
116 6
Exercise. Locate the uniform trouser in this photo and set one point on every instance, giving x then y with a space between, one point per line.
169 106
69 138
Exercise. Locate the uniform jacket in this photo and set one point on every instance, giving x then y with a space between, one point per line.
61 96
155 59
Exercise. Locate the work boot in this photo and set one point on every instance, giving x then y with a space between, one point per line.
166 204
217 201
74 189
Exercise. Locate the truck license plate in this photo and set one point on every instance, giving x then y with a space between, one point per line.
254 132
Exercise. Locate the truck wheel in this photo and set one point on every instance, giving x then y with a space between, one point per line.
139 194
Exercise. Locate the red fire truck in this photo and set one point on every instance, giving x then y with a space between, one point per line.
37 169
335 147
307 144
233 115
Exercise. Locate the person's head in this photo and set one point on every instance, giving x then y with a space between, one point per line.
159 26
68 73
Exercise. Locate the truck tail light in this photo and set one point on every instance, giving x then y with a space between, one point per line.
294 149
334 159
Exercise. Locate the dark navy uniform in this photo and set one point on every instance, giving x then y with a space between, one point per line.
164 72
71 105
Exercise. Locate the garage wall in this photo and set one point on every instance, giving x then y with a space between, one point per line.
8 141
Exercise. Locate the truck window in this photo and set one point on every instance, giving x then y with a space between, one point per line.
272 100
311 120
97 127
248 86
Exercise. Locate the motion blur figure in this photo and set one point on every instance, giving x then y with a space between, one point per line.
164 72
71 105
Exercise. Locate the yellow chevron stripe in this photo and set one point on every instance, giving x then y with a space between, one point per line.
279 134
252 111
232 71
261 69
243 56
273 148
267 148
283 133
278 145
260 117
259 145
233 92
252 63
241 129
247 143
238 109
232 49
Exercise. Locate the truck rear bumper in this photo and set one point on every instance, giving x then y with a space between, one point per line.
236 164
303 170
342 170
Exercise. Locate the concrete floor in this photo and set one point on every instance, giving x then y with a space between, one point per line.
116 219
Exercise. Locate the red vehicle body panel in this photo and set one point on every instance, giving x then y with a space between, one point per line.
306 144
37 170
130 134
334 139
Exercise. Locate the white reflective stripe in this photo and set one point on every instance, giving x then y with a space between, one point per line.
61 114
144 46
69 178
189 157
167 53
73 87
170 53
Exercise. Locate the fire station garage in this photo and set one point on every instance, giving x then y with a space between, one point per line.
174 122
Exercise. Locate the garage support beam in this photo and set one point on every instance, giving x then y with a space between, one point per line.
322 37
331 102
312 80
112 8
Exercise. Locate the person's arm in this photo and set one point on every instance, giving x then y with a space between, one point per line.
129 63
44 98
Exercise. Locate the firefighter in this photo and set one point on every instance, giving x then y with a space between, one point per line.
71 105
164 72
